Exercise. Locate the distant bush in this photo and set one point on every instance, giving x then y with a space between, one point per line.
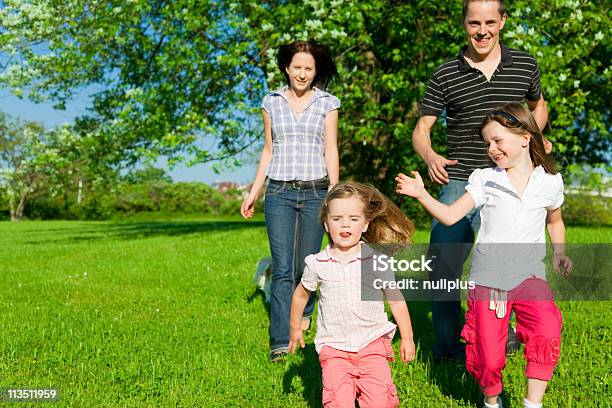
584 209
127 198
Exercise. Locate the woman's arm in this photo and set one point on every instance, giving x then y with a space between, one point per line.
248 205
556 232
332 159
446 214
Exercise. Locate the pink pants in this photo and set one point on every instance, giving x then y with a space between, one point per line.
364 375
538 326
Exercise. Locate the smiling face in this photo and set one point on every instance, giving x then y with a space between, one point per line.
483 24
345 222
505 148
301 72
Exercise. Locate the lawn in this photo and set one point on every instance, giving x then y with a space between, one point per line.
163 313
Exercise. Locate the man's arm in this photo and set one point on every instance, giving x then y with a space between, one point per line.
539 111
421 142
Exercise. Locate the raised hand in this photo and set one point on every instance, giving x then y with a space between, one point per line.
409 186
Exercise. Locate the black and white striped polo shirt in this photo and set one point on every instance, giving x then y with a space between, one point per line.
467 97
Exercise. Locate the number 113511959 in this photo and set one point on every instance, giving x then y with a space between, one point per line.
28 394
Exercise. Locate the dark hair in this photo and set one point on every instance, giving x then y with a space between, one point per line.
466 3
324 63
388 224
518 120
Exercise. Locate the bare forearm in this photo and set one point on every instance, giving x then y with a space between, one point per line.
402 318
298 303
445 214
260 176
421 142
540 113
332 163
556 232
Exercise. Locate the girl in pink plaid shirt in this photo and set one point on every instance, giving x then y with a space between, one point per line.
353 334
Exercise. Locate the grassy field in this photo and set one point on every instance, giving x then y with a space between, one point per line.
156 314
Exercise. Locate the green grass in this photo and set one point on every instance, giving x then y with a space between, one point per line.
152 314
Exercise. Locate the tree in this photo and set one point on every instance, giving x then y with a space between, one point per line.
172 74
35 163
148 174
22 174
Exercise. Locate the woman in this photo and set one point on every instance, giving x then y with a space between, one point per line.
300 158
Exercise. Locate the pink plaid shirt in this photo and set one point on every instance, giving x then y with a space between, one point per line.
345 321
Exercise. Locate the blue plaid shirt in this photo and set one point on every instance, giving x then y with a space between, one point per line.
297 141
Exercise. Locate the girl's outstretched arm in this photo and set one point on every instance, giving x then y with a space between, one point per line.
402 318
556 232
298 303
446 214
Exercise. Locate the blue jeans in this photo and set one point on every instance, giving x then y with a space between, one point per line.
450 248
294 232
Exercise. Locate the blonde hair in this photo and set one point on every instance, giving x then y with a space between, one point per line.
387 223
517 119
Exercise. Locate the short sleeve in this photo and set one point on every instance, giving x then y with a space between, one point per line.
534 92
332 103
265 104
559 196
309 277
433 101
475 187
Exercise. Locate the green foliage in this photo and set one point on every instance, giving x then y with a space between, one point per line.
149 173
167 72
173 73
126 199
39 164
590 210
572 42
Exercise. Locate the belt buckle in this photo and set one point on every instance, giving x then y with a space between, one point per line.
294 184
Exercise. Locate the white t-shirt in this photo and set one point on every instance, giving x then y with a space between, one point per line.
511 244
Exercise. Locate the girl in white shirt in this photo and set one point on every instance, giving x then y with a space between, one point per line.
353 333
517 198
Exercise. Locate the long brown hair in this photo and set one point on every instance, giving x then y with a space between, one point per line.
517 119
387 223
324 63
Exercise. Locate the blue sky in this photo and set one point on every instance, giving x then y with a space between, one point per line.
50 117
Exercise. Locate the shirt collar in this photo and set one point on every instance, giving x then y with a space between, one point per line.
281 92
536 177
464 66
326 256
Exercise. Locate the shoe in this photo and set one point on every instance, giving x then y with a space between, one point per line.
512 345
305 323
277 356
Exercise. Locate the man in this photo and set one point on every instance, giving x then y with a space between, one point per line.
482 77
